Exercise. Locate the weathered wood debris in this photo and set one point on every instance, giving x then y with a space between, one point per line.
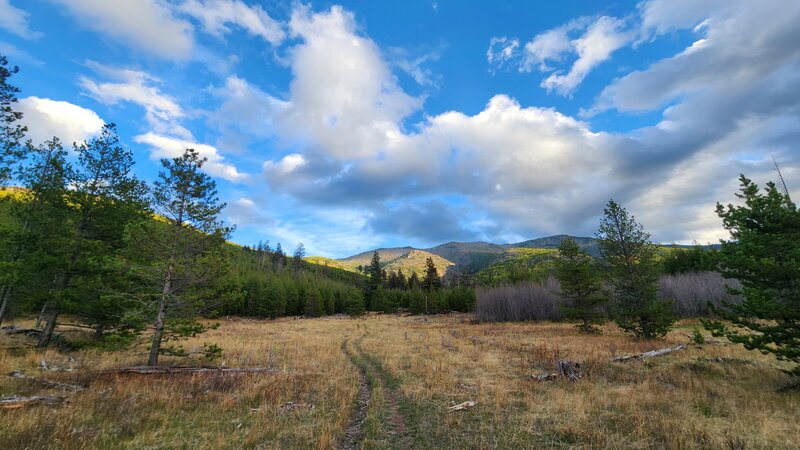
463 406
567 369
175 370
15 401
650 354
50 384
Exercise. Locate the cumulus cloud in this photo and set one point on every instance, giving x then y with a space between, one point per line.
161 111
343 95
168 147
46 118
146 25
15 20
529 171
217 15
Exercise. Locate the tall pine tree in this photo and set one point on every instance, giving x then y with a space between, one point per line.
764 255
11 131
634 270
187 199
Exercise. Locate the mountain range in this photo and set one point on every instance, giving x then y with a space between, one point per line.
465 258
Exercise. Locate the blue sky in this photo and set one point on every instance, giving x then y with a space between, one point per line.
353 125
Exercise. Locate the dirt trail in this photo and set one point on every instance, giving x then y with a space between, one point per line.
354 434
398 432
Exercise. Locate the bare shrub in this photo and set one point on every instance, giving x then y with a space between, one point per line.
519 302
690 292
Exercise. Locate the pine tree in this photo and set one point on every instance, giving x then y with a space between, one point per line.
11 131
104 198
187 199
431 281
299 254
33 248
634 270
374 273
580 285
764 255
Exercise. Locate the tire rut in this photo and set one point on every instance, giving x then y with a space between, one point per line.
399 433
354 434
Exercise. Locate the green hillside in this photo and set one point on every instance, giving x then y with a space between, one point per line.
518 264
408 259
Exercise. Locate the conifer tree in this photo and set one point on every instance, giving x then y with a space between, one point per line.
104 198
431 281
187 198
634 270
374 273
299 254
764 255
11 131
33 248
580 285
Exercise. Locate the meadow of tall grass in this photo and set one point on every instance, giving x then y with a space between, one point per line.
414 368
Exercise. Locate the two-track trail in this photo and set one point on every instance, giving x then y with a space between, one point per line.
378 403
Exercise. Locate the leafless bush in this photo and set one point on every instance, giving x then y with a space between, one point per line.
519 302
692 291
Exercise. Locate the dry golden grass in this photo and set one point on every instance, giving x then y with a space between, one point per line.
416 366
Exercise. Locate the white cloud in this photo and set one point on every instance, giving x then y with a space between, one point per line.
550 45
550 49
15 20
343 95
146 25
168 147
501 50
46 118
286 165
600 40
161 111
217 15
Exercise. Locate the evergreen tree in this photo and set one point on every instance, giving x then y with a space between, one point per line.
299 254
104 198
580 285
33 247
278 258
374 280
431 281
413 281
634 270
187 199
402 282
11 131
764 255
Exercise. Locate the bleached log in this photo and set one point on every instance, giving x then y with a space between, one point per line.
15 402
50 384
544 377
650 354
462 406
165 370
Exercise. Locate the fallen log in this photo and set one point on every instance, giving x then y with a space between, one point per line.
50 384
15 402
177 370
462 406
650 354
544 377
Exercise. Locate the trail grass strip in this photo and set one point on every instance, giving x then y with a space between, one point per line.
393 431
354 434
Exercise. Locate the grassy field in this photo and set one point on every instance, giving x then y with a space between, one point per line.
387 382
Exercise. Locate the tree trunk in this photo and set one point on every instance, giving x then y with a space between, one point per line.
4 302
155 349
40 316
47 333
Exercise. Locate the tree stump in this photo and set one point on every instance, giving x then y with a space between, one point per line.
569 370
